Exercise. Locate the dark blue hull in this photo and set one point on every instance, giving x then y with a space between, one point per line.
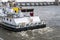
23 29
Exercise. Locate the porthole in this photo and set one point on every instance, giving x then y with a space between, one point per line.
10 20
7 19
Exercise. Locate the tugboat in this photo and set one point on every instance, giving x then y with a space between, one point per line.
20 19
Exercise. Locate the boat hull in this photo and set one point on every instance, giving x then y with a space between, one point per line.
22 29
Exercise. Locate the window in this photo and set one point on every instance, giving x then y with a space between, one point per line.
27 10
10 20
7 19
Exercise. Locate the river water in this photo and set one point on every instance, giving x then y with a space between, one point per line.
50 14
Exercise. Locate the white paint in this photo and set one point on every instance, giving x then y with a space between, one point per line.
27 20
1 12
35 19
21 20
8 21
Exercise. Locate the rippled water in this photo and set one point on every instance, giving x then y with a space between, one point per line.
50 14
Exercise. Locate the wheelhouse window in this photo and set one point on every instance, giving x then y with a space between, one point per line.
27 10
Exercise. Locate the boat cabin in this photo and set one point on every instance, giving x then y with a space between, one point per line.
22 15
